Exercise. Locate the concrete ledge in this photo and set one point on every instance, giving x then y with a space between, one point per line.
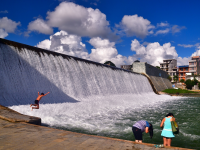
13 116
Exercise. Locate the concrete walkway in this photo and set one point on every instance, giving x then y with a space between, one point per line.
17 135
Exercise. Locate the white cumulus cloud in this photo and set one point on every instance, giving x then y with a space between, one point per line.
136 26
104 50
8 25
62 42
197 53
153 53
78 20
41 26
183 61
3 33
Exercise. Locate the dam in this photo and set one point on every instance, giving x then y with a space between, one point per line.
85 96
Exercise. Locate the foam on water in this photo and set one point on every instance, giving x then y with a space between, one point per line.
97 115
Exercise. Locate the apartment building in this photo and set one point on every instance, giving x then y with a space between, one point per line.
194 65
170 66
182 71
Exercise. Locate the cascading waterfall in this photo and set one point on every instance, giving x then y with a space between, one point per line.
25 72
85 96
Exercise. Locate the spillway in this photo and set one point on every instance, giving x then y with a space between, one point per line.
25 70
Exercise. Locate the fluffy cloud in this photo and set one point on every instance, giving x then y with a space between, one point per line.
136 26
62 42
65 43
3 33
45 44
183 61
105 51
8 25
78 20
40 26
197 53
153 53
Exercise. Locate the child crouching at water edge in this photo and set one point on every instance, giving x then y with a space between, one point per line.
140 127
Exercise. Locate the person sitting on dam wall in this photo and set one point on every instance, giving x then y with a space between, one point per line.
37 100
140 127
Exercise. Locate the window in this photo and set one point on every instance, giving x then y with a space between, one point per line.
181 74
186 69
191 63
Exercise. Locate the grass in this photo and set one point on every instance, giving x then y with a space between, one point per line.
177 91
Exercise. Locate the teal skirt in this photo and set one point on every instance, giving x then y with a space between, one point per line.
167 133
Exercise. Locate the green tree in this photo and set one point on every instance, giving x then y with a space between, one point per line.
195 81
169 78
158 67
176 78
189 84
182 80
109 63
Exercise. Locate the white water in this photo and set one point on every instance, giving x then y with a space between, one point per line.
83 96
100 115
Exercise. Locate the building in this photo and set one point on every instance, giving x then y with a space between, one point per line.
194 65
129 67
126 67
182 72
170 66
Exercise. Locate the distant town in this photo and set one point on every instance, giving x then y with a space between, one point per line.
175 73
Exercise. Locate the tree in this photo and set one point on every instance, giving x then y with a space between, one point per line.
158 67
176 78
182 80
195 81
109 63
169 78
189 84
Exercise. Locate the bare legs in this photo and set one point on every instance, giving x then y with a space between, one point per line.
37 106
138 141
167 141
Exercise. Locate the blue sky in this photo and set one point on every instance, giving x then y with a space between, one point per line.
100 30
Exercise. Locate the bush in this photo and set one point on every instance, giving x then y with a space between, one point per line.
194 82
189 84
169 78
110 63
182 80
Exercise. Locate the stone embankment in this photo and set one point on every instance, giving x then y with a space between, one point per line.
19 132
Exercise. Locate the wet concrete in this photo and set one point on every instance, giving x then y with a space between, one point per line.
16 134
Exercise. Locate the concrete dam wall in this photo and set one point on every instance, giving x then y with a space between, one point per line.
25 70
157 76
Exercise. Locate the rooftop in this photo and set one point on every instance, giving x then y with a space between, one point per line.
185 66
